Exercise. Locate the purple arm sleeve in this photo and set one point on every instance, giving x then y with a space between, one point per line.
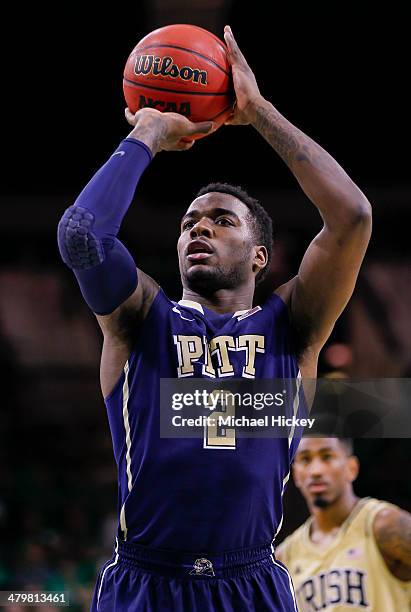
87 231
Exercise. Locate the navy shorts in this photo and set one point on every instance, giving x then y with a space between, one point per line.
140 579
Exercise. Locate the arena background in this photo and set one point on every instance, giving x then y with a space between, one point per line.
341 77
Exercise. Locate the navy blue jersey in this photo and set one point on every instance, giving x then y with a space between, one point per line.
187 494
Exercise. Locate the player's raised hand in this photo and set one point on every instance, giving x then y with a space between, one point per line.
245 84
165 131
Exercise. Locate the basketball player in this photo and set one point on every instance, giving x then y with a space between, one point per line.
351 554
197 519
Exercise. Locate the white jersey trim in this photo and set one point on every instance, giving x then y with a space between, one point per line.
191 304
127 426
123 524
296 405
126 394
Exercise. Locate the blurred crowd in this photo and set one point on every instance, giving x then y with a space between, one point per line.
58 477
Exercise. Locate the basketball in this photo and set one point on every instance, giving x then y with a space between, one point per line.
182 69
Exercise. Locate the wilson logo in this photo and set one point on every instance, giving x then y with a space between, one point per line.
165 66
182 108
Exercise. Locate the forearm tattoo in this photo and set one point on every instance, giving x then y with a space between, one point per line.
291 143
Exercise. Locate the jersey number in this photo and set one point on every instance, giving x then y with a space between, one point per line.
221 436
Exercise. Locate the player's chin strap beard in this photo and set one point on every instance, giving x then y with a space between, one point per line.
210 280
207 280
320 502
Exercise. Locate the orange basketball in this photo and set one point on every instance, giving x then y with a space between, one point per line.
182 69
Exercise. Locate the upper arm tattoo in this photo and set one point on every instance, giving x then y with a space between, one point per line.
392 529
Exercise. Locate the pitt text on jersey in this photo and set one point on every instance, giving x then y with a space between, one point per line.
194 348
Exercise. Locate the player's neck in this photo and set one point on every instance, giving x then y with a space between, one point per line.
327 519
222 301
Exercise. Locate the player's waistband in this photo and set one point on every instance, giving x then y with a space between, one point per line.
201 565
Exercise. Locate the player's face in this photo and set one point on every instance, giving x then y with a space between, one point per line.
322 470
215 248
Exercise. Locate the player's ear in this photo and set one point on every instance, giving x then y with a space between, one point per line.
353 466
260 258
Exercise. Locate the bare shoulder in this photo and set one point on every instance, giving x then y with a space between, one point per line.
285 291
392 532
388 519
120 329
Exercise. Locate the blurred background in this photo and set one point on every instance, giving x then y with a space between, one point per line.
340 76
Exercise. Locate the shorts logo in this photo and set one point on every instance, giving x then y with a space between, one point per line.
165 66
202 567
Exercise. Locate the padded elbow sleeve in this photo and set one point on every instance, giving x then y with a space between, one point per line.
80 249
104 268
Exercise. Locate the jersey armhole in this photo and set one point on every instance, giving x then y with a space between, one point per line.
134 349
119 383
279 305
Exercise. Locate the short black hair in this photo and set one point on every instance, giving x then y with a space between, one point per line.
262 224
346 443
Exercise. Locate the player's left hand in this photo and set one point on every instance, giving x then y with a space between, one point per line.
245 84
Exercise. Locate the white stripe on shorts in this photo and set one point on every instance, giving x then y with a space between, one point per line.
289 580
104 573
